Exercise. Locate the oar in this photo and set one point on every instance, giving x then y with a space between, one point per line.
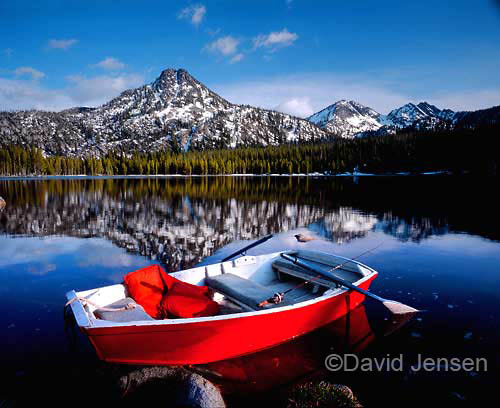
252 245
279 296
394 307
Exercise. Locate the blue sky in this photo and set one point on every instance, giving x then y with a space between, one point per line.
297 56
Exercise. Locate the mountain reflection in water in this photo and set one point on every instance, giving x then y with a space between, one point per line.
440 253
179 221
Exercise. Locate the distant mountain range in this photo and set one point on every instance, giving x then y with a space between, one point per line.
174 111
178 112
351 119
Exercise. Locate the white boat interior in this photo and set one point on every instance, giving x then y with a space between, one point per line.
239 286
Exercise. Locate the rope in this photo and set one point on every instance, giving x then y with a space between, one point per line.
86 302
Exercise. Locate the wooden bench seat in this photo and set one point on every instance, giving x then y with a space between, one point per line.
118 315
347 272
243 292
288 268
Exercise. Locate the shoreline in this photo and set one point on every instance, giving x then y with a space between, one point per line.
139 176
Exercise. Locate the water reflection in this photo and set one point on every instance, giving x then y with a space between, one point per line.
423 262
180 221
296 359
270 373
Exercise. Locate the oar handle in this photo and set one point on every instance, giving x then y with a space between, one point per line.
332 277
252 245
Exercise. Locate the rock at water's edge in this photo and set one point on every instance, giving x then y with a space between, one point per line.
322 394
175 384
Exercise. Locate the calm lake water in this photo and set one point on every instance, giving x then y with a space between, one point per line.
440 253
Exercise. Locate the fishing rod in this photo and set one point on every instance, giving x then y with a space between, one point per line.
393 306
252 245
279 296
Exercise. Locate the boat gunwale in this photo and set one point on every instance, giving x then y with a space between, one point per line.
85 323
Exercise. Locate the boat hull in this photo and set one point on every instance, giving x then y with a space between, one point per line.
215 340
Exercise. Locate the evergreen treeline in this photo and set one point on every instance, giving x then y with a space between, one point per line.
465 149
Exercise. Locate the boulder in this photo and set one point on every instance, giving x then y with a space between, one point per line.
322 394
174 385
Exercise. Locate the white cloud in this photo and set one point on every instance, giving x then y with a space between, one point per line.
225 45
308 93
62 44
467 100
275 40
18 94
305 94
32 72
23 94
236 58
300 107
194 13
8 52
111 64
97 90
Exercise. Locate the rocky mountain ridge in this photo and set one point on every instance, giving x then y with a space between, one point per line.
351 119
175 111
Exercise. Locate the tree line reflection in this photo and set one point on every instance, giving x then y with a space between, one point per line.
179 221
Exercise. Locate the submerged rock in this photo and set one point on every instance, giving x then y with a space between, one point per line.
176 385
304 238
322 394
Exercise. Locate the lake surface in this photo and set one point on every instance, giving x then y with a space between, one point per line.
440 252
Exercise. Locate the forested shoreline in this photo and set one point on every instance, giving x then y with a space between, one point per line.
471 150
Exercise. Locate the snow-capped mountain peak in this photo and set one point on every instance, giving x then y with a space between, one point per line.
175 111
420 116
428 109
346 118
351 119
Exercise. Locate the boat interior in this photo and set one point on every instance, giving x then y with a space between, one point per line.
238 285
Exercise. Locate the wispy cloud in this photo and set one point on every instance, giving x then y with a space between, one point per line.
236 58
297 106
8 52
29 71
213 32
304 94
94 91
195 13
79 91
110 64
225 45
22 94
467 100
275 40
62 44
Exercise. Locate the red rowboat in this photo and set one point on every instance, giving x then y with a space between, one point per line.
294 360
241 327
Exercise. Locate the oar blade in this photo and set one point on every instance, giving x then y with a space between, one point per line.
398 308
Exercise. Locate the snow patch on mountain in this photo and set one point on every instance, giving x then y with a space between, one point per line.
173 112
347 118
351 119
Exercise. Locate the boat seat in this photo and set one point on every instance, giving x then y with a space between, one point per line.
130 315
289 268
244 292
